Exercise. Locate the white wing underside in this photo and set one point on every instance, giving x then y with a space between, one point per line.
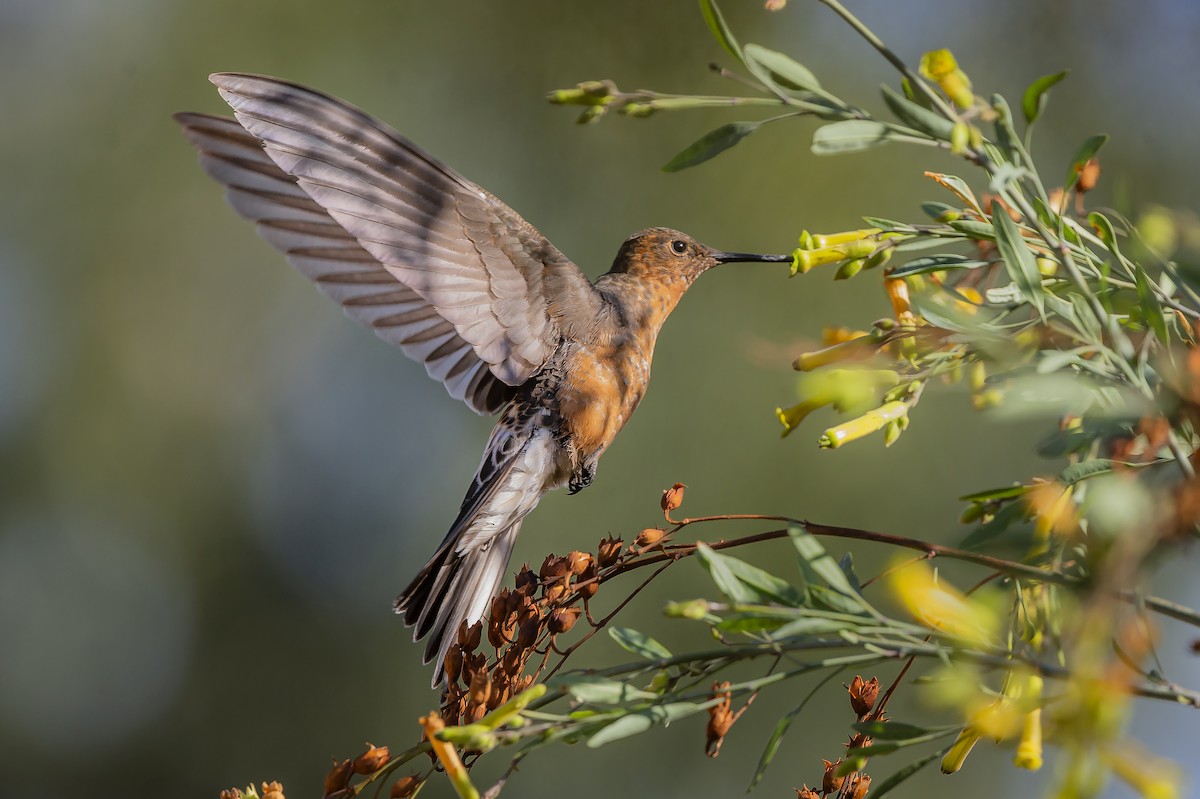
432 262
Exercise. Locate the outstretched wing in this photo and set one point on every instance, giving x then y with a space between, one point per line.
503 288
325 253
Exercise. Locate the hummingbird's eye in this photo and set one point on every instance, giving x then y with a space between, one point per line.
678 247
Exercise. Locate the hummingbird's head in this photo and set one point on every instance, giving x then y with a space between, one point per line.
666 255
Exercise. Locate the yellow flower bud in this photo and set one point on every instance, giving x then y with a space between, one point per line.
960 138
862 426
849 269
835 239
941 67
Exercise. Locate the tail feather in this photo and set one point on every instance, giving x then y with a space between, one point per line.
454 587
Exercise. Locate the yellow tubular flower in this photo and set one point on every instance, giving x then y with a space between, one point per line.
953 760
1153 778
941 606
864 425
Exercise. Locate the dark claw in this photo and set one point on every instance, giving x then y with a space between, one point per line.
581 480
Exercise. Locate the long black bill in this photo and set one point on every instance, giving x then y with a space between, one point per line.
750 257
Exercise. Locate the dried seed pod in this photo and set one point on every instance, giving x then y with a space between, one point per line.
863 694
806 793
609 551
512 661
453 663
649 537
830 782
578 562
554 568
338 777
1088 176
672 498
562 620
481 687
528 634
720 719
553 592
405 787
860 786
272 790
590 585
468 637
370 761
526 580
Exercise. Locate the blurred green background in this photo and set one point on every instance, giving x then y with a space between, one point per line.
213 484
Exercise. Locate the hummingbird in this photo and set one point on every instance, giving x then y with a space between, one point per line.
442 269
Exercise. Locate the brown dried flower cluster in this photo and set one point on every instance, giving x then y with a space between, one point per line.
521 622
855 784
270 790
337 781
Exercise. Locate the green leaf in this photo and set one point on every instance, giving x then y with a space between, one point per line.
889 225
1007 516
1018 259
939 211
916 116
816 562
1085 469
748 623
625 726
849 136
1035 96
846 564
642 720
727 582
893 730
639 643
1151 309
1006 135
993 494
807 626
598 690
778 71
711 144
975 229
1084 154
720 31
903 774
765 585
937 263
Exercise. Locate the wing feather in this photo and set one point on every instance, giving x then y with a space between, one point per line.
506 290
323 251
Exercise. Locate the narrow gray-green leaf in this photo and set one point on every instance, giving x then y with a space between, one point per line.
642 720
639 643
765 584
916 116
1085 153
598 690
777 70
808 626
814 557
849 136
710 145
1151 308
720 31
893 730
632 724
1035 96
1018 258
937 263
723 576
1085 469
1006 134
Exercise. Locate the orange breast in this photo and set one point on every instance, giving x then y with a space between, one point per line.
601 388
